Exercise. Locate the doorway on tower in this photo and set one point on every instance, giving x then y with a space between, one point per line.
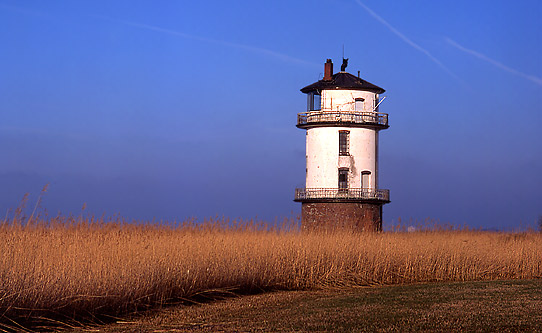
366 179
343 179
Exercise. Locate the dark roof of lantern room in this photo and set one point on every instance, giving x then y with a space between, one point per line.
343 81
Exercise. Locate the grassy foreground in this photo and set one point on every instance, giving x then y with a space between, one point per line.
67 270
489 306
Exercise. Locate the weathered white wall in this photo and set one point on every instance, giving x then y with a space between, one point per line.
323 160
343 100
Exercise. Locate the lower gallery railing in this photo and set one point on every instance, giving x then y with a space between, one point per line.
345 194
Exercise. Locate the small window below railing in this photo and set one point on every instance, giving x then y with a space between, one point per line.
344 143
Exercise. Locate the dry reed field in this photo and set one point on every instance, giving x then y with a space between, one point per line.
70 269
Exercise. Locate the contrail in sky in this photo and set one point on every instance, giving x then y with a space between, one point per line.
274 54
255 49
495 63
407 40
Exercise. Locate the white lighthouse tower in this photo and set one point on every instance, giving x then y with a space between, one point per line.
342 123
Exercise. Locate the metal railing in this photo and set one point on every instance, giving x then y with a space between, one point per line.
348 117
345 194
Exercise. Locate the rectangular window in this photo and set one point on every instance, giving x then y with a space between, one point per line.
344 143
343 179
358 104
314 101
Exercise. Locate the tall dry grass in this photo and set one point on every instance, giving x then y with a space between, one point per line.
80 268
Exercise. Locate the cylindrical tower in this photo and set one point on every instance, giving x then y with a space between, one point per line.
342 123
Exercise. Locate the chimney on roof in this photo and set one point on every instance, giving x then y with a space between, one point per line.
328 70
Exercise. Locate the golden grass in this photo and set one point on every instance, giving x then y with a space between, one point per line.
63 268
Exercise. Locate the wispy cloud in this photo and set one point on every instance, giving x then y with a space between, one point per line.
495 63
255 49
407 40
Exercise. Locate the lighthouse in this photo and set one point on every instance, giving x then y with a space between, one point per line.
342 126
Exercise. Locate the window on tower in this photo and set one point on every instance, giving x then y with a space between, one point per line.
314 101
358 104
344 143
343 179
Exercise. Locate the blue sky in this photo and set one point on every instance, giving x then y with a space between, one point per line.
183 109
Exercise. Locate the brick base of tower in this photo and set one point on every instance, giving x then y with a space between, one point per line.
341 215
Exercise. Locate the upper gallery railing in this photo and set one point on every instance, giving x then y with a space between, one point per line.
346 117
302 194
